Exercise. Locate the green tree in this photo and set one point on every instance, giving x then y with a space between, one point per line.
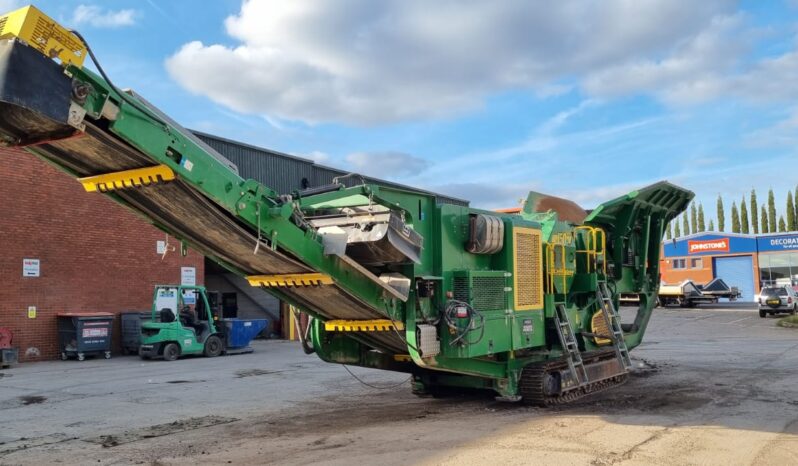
735 218
669 231
754 212
743 217
782 225
701 224
791 226
685 224
771 211
721 215
676 232
711 225
763 216
693 218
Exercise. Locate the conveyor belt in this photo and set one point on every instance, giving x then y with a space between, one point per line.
206 226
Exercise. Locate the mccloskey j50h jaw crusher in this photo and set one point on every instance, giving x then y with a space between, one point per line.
524 304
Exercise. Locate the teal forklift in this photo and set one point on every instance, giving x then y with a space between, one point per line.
183 323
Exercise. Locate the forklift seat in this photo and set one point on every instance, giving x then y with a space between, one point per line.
167 315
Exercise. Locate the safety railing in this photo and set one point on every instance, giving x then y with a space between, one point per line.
557 262
595 240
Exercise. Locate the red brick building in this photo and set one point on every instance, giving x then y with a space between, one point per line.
94 254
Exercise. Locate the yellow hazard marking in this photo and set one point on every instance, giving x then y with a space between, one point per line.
402 358
127 179
45 35
377 325
290 279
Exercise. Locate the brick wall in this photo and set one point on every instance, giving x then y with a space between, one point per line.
700 275
95 254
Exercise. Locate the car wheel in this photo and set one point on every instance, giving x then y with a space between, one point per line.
762 313
171 351
213 346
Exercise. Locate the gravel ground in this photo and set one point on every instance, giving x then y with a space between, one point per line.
711 386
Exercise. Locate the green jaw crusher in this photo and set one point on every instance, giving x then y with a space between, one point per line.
524 304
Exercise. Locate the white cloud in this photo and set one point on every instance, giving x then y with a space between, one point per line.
366 62
487 195
7 6
386 164
98 17
317 156
695 70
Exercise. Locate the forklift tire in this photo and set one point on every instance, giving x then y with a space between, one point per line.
213 346
171 351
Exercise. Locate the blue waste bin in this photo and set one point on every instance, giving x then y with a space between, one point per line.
240 332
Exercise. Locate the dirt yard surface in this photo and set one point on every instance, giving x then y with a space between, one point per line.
710 386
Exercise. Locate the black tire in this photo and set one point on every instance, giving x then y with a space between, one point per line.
213 346
171 352
762 313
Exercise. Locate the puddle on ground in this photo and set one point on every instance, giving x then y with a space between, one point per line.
31 399
254 372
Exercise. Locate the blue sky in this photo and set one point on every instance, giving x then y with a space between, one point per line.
480 100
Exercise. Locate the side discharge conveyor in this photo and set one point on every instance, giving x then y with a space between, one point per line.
524 304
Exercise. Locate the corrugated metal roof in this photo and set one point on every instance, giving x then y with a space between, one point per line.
284 173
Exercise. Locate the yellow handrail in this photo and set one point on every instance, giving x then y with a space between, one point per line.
595 248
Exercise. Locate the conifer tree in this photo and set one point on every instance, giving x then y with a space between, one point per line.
711 225
743 217
782 225
735 218
791 226
721 216
676 232
685 224
763 216
693 218
701 224
669 231
771 211
754 213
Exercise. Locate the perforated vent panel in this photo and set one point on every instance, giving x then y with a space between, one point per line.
460 291
489 293
528 268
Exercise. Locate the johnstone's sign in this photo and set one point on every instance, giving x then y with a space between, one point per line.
711 245
778 243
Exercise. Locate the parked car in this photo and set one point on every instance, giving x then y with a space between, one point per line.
777 299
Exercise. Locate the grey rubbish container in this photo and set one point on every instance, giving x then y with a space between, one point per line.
131 330
84 333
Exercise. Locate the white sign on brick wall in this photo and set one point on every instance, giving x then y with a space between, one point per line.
30 267
188 276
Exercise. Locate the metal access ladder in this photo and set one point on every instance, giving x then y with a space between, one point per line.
568 341
613 319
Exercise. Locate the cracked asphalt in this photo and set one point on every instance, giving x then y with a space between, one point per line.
712 385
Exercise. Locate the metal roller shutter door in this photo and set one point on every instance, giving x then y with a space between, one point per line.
737 271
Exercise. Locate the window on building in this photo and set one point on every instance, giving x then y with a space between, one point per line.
696 263
778 269
679 264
